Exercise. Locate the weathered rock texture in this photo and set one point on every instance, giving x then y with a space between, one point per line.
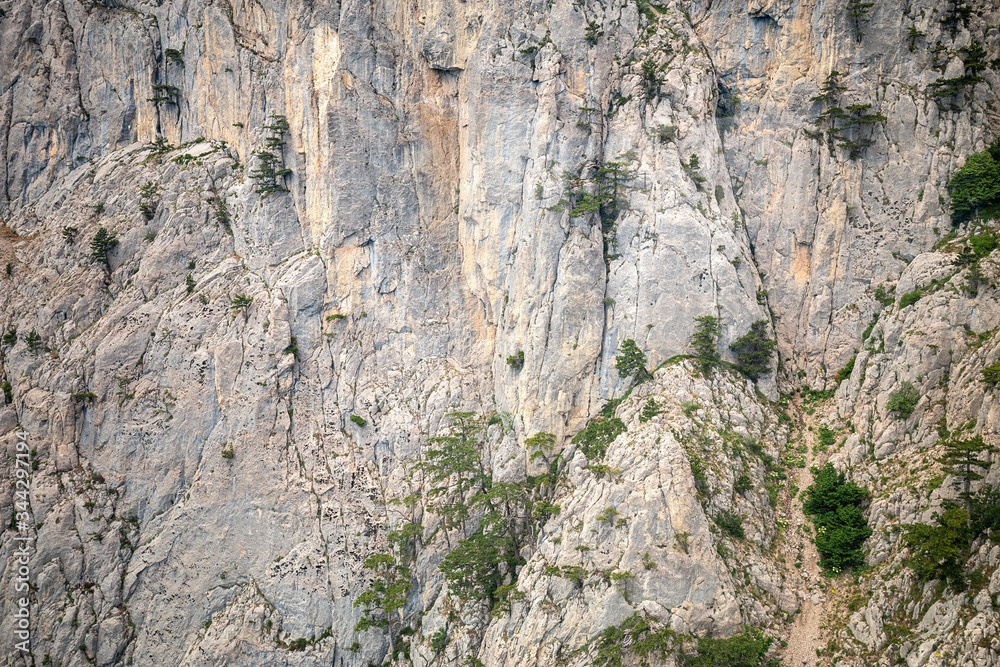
201 495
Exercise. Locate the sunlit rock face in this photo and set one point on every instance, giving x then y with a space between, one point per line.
395 211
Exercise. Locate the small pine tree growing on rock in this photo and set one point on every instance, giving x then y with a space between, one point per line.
754 351
34 342
240 304
976 185
103 243
937 552
961 458
631 362
858 11
385 598
991 374
705 342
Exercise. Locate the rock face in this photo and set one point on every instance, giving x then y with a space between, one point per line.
224 407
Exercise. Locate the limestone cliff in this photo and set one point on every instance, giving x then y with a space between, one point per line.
337 223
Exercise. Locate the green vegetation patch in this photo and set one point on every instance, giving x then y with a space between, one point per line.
903 401
975 187
841 528
754 351
599 433
637 637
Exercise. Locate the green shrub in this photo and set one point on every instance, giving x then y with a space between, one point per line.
359 420
827 437
754 351
937 552
293 348
651 80
10 337
635 635
101 246
516 361
743 484
704 342
909 298
649 410
8 392
631 362
664 132
600 432
698 473
975 187
903 401
841 529
983 244
69 234
884 296
868 330
34 342
228 452
991 374
730 523
189 283
848 368
747 649
439 641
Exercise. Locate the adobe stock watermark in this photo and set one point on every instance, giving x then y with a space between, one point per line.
22 551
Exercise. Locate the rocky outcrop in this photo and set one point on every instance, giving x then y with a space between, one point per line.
829 229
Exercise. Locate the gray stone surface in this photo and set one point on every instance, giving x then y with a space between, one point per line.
425 237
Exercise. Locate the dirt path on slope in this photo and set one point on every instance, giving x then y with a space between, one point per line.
805 636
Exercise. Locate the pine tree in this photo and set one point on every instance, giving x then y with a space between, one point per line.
938 551
961 458
857 130
269 175
631 362
975 186
240 304
34 341
829 97
754 351
386 597
705 342
101 246
830 90
841 529
454 468
858 10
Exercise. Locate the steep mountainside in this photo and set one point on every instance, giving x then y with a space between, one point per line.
329 227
